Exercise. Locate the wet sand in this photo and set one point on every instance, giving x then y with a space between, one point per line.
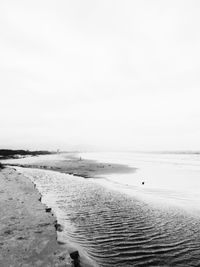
72 164
27 232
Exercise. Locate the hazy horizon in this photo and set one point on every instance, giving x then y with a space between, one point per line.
114 75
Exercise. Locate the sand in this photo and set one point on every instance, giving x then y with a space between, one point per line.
28 235
27 232
72 164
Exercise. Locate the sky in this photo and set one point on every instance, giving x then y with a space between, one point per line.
114 75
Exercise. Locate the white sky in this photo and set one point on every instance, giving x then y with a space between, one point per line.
112 74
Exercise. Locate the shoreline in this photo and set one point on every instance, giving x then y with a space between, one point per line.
27 227
74 165
68 164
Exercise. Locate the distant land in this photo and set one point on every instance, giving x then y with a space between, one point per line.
9 153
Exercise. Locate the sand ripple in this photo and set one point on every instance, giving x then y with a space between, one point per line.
118 230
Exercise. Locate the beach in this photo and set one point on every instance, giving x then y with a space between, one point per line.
72 163
27 232
29 237
110 217
99 133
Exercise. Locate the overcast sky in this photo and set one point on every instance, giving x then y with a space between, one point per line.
112 74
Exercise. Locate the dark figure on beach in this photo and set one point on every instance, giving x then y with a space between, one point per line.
142 182
75 256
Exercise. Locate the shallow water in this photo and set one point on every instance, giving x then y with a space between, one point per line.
170 179
113 228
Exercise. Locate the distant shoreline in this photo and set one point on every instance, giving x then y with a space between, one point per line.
75 165
14 154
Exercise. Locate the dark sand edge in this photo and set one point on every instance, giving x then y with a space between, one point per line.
28 234
79 167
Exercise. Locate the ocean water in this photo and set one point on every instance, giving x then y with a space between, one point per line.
118 221
169 179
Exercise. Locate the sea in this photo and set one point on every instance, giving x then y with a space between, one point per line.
150 217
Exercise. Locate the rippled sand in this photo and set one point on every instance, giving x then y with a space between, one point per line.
113 229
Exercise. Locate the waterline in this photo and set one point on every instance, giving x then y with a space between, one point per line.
114 229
